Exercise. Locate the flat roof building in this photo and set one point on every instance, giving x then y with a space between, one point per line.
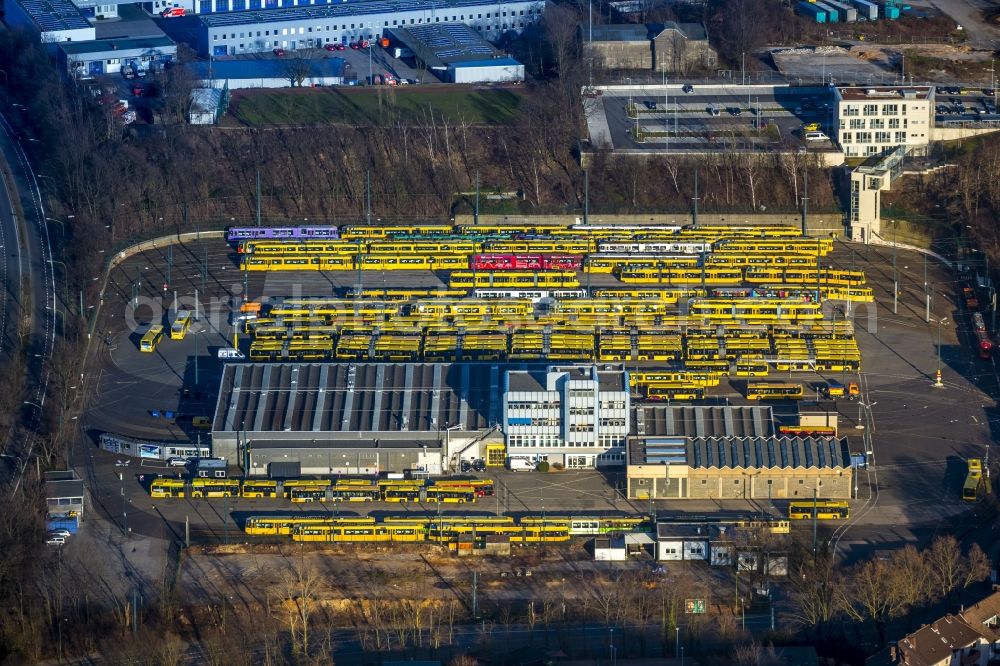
346 418
84 60
64 494
50 20
731 453
872 120
456 53
276 73
576 416
311 26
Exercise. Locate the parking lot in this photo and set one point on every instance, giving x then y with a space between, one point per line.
965 105
708 117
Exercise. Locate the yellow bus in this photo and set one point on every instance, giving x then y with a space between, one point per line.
451 494
751 369
680 392
215 488
181 325
167 488
259 488
151 338
973 480
824 509
774 391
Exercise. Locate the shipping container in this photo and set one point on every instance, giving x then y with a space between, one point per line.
848 14
69 524
832 16
812 11
890 11
867 9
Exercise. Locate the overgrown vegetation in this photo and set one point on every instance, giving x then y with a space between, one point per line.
413 105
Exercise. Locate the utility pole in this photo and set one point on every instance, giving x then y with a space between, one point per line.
368 197
590 39
477 198
475 594
586 196
694 200
805 201
895 275
815 511
258 197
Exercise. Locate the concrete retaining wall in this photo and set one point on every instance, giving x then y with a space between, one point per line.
815 223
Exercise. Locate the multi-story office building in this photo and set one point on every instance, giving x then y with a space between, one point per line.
874 120
576 416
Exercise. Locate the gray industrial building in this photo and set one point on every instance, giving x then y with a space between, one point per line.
50 20
456 53
662 47
303 27
729 452
343 418
84 60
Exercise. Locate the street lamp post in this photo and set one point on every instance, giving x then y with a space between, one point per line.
937 379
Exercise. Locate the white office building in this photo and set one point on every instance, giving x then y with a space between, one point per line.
875 120
305 25
575 416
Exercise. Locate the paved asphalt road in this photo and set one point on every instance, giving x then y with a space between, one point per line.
28 258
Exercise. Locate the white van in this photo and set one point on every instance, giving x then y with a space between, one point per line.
816 136
520 465
229 352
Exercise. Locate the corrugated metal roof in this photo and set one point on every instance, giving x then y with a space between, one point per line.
363 397
768 452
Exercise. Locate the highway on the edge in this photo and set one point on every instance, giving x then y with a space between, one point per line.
27 259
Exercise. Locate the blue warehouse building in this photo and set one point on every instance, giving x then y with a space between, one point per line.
301 27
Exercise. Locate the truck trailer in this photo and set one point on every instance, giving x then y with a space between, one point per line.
848 14
810 10
868 10
832 15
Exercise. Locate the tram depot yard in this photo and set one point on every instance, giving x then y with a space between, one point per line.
361 411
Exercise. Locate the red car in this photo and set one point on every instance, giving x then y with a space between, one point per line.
354 45
137 90
173 12
279 52
330 47
340 47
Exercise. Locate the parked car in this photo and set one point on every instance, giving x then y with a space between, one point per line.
137 90
330 47
688 89
816 136
279 52
177 461
734 111
65 534
479 465
55 541
354 45
202 422
340 47
650 104
173 12
465 467
811 127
